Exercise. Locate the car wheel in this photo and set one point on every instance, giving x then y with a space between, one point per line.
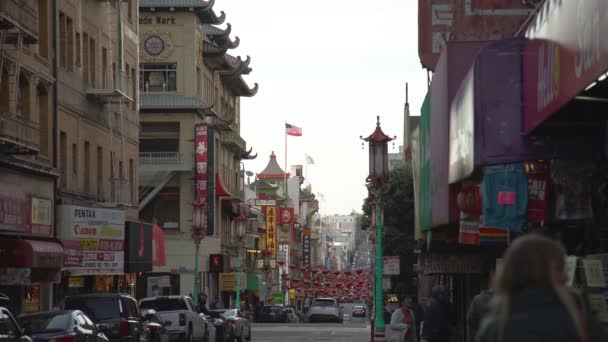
248 338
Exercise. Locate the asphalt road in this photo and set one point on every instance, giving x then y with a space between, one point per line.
354 329
351 331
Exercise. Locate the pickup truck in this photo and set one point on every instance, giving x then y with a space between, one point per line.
186 324
325 309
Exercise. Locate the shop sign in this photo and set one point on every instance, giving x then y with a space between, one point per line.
72 253
451 264
440 21
567 53
391 265
306 247
265 202
286 215
594 273
157 20
26 215
101 233
271 231
201 171
228 281
76 282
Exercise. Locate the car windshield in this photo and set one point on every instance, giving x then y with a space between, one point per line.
273 308
45 322
358 307
229 313
164 304
324 302
97 308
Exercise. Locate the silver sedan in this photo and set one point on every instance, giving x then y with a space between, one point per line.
242 329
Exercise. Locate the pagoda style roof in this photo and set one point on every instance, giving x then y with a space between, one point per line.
216 33
204 9
378 135
272 170
248 155
220 47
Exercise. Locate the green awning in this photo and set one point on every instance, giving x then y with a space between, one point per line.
253 282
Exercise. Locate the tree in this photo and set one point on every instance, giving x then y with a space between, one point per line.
398 228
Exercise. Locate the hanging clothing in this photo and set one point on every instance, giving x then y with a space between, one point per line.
505 196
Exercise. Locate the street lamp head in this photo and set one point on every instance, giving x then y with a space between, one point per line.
199 219
240 224
378 153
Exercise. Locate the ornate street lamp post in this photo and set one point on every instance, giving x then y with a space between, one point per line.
377 182
266 268
240 232
199 229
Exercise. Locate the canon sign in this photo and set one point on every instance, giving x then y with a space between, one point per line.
84 230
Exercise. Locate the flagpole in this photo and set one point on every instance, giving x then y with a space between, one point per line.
285 170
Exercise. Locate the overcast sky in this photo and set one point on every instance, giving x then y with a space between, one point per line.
328 67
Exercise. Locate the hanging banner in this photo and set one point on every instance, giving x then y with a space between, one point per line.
425 164
271 230
306 247
201 173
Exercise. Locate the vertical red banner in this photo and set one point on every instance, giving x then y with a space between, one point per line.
201 175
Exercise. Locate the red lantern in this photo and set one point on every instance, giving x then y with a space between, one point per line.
303 268
286 277
317 283
295 280
347 272
359 271
311 290
292 267
281 262
325 271
306 282
336 273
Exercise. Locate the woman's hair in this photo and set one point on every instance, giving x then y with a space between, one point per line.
532 261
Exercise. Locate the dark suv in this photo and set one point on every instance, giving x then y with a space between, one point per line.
120 312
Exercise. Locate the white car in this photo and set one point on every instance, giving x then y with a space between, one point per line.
186 324
325 309
240 324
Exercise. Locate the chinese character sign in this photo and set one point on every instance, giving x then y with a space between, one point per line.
201 175
306 247
271 230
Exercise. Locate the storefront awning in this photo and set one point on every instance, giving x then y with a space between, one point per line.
220 188
31 253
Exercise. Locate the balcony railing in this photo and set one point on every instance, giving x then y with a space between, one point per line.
20 14
164 161
18 135
114 90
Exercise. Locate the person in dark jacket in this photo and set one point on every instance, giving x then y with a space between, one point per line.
479 308
419 313
530 300
436 326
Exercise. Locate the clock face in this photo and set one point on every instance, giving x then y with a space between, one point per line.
154 45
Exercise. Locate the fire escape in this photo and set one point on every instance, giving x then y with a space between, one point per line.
19 134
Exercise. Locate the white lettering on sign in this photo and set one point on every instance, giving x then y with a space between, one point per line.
548 75
588 39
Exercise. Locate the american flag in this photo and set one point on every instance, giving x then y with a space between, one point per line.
293 130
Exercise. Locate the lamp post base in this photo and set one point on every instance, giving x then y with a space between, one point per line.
378 336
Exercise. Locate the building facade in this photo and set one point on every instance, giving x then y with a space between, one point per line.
97 140
30 256
189 81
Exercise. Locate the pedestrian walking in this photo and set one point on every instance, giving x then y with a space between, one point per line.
202 303
531 301
479 308
403 323
418 313
436 322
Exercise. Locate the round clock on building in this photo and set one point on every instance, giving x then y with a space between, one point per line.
154 45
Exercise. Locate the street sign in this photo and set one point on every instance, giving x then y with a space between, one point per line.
265 202
391 265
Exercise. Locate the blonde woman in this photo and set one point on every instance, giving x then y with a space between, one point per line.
530 300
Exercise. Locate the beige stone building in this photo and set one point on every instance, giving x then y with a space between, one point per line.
188 78
27 159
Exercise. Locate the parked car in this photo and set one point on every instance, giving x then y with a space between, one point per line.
326 309
10 331
64 326
274 314
186 323
118 311
292 317
224 332
156 327
358 311
240 324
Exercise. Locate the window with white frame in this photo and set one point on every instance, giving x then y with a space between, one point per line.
158 78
